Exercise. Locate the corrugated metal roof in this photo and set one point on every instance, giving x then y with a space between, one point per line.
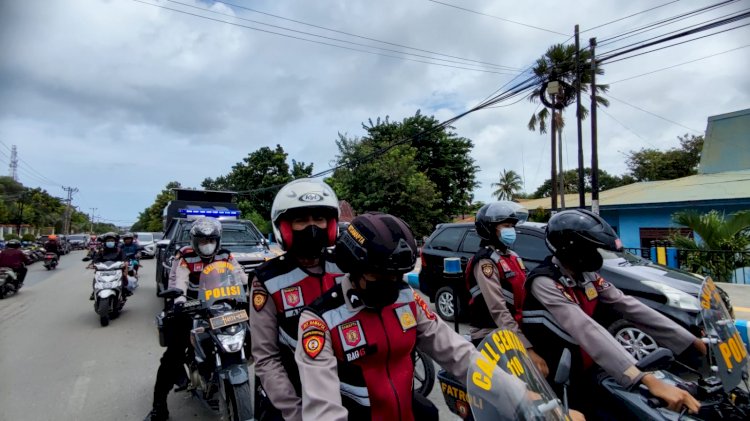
700 187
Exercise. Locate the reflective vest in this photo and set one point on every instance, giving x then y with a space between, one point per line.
196 265
292 288
512 276
374 352
541 328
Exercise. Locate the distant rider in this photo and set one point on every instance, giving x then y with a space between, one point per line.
110 252
53 246
130 248
12 257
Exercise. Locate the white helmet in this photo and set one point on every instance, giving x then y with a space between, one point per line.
300 194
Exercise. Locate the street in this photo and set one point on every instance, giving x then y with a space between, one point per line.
58 363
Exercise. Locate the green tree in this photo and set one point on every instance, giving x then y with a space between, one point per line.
570 177
509 185
723 242
439 153
392 183
653 164
260 171
151 217
559 63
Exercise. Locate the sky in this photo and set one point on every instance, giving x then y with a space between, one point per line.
119 97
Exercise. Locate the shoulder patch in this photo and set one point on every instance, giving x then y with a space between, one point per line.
565 293
315 323
488 269
601 284
425 308
260 296
313 341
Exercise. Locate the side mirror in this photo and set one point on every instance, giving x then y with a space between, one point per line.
162 244
661 358
562 376
86 259
171 293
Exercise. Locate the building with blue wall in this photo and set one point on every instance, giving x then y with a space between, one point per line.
642 212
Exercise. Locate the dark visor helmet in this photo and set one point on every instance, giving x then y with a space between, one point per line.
376 242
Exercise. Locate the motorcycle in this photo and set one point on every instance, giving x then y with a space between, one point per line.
718 390
8 282
50 261
216 361
108 295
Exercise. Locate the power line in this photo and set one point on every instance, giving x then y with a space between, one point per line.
628 16
677 43
317 42
679 64
653 114
497 17
30 170
361 36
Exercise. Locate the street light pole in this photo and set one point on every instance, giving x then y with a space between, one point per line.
594 146
91 220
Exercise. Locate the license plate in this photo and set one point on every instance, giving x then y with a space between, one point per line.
228 319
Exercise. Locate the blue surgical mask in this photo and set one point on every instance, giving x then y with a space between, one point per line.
508 236
110 244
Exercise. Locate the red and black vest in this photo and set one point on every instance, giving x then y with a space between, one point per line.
542 329
195 264
512 276
292 288
375 351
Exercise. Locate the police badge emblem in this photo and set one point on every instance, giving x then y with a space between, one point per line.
488 269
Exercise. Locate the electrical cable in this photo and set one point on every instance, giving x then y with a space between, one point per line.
628 16
361 36
497 17
653 114
679 64
314 41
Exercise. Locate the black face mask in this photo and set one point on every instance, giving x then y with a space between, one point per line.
309 242
379 294
584 261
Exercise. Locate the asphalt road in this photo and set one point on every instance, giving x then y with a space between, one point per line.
58 363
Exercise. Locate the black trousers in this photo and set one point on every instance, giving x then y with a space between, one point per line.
171 366
21 273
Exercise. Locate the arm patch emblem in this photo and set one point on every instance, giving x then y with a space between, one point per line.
313 341
426 309
488 269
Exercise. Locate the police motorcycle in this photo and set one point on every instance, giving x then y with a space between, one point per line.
216 360
50 260
8 282
529 398
718 390
108 295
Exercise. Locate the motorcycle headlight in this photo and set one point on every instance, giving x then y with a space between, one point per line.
675 297
232 343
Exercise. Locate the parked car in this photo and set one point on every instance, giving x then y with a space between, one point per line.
241 237
671 292
148 243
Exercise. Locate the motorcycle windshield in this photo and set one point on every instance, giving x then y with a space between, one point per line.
726 348
503 383
219 282
108 265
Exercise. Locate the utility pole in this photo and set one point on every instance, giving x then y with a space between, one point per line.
13 171
594 147
560 164
581 184
553 89
91 220
66 221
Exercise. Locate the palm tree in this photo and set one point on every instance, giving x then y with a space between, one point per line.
509 185
559 63
723 244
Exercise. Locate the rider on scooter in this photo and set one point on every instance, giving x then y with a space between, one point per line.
12 257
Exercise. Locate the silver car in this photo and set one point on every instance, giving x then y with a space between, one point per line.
147 243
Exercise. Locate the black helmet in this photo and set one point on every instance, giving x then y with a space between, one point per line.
495 213
128 235
575 235
14 244
103 238
205 228
376 242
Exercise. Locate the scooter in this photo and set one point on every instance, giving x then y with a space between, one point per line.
109 298
50 261
8 282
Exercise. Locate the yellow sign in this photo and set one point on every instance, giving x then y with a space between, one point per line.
461 395
708 294
220 267
502 342
222 292
407 320
733 350
354 233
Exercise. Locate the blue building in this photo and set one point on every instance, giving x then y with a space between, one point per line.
642 212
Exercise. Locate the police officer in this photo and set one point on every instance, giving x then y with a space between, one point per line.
304 216
495 276
205 248
357 340
565 300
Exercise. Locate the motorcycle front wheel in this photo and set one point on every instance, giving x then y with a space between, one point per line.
102 309
237 401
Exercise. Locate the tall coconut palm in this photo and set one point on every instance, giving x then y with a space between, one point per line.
559 62
509 185
723 244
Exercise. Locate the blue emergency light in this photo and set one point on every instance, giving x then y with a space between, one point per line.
209 212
